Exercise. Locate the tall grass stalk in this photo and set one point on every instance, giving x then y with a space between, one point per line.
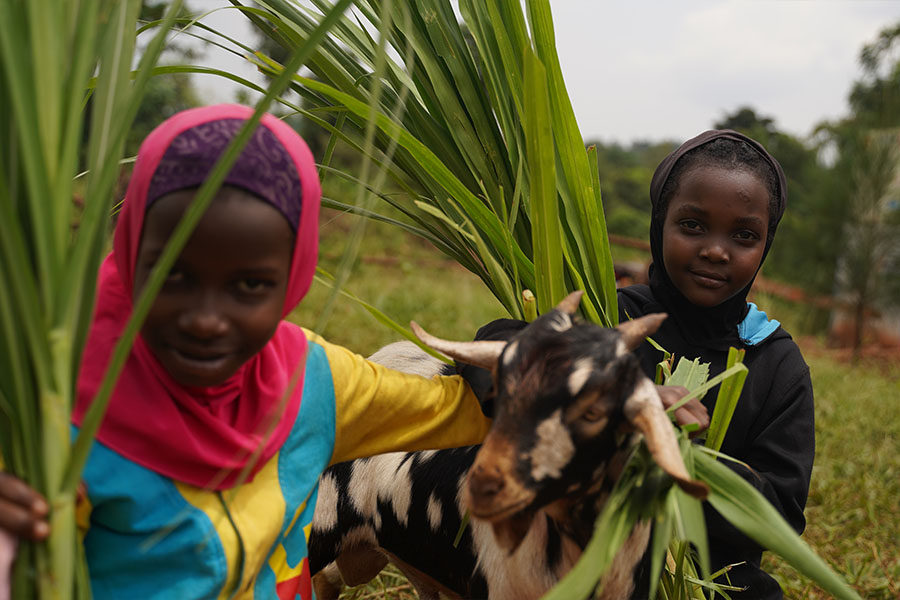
55 56
495 174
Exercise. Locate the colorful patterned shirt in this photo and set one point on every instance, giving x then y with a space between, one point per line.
149 536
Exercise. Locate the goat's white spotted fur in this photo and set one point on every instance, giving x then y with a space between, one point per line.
434 511
554 448
581 372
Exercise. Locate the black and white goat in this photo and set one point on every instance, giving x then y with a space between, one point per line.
570 401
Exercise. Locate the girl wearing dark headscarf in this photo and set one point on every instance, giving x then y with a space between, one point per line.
204 477
716 202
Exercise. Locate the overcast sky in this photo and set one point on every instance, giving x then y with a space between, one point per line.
664 69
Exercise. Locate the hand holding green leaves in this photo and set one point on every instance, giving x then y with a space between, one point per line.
692 414
23 511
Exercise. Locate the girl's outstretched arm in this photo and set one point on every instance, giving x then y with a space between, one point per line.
380 410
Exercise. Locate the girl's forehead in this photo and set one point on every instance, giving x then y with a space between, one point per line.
709 188
234 216
715 174
714 179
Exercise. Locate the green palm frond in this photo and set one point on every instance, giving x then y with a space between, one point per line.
54 56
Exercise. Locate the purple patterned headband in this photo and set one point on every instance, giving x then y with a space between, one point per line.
264 167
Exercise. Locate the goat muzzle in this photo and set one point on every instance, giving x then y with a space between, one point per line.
508 508
492 491
485 483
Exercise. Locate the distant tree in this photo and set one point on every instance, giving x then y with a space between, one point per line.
746 121
867 176
625 174
268 41
870 260
166 94
875 99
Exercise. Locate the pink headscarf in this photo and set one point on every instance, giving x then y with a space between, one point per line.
202 436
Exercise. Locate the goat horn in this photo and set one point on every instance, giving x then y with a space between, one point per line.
570 303
645 411
633 332
482 354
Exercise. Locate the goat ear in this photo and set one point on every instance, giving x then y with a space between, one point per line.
570 303
633 332
484 354
644 410
510 532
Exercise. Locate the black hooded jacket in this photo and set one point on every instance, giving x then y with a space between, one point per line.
772 430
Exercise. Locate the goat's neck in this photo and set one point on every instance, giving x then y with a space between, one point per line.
576 513
575 516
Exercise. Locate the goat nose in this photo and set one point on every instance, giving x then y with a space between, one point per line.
485 482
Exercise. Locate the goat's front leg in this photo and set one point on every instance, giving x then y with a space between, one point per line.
328 583
353 566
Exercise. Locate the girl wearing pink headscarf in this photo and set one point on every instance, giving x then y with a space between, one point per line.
203 479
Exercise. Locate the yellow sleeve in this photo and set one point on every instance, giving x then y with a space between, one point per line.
381 410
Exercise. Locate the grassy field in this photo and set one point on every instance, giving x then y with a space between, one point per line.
404 277
853 517
852 514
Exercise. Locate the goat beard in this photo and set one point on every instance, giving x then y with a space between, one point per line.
510 531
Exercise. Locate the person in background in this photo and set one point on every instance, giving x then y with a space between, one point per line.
716 202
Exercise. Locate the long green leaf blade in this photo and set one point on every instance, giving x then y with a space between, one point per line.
749 511
726 402
548 256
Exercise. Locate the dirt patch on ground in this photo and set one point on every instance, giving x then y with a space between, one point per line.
886 358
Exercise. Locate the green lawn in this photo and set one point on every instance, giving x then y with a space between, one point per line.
853 513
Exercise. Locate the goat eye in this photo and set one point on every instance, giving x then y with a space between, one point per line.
593 414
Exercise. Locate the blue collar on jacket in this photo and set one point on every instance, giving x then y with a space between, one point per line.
756 326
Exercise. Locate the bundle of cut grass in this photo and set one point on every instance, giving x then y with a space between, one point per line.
68 99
